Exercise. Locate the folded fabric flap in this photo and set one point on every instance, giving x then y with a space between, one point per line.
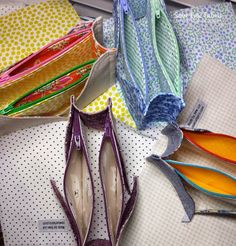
96 120
175 137
102 77
172 176
163 108
68 213
129 207
98 30
138 8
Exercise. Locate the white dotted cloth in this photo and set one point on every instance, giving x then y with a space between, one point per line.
29 158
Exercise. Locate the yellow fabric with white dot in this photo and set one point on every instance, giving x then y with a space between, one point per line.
119 109
28 29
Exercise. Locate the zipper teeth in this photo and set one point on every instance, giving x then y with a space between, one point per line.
83 32
10 108
171 84
30 104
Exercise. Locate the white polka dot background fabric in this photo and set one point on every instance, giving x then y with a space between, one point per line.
30 157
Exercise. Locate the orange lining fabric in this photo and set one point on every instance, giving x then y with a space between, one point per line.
208 179
222 146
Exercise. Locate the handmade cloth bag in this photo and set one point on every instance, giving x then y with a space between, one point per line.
143 35
41 97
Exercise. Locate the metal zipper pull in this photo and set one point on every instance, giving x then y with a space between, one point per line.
158 13
77 142
124 4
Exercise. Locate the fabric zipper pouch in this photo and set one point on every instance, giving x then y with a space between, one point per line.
214 173
79 189
52 97
82 49
147 62
44 55
206 179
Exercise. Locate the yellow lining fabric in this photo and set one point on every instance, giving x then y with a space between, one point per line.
208 179
223 146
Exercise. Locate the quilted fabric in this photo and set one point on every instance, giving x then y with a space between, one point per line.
120 110
209 29
139 68
28 29
214 34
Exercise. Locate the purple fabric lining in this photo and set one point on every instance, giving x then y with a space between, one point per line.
99 242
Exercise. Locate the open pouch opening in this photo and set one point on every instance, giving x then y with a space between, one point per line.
87 49
53 97
166 47
112 186
48 52
208 180
132 50
79 191
219 145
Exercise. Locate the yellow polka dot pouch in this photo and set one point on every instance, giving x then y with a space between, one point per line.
28 29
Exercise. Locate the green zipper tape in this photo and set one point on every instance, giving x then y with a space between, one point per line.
10 108
174 83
